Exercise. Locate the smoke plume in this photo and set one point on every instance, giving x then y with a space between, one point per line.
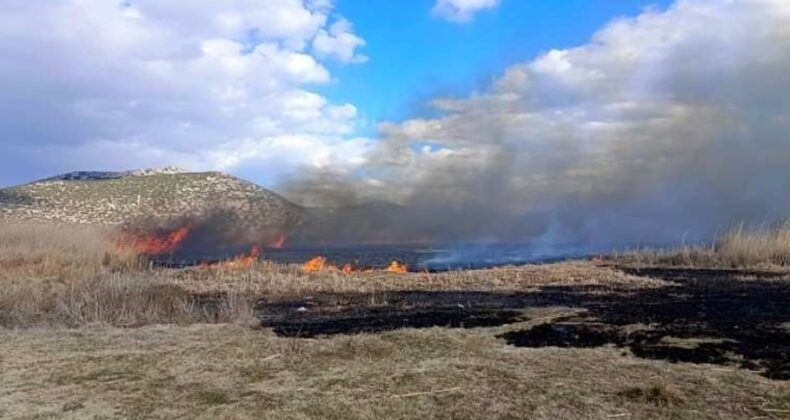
668 126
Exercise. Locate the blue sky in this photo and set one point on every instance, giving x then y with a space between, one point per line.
415 56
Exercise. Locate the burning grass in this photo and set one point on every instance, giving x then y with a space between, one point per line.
288 281
319 264
238 263
72 276
62 275
155 243
99 367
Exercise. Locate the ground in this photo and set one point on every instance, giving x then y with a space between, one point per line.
561 341
226 371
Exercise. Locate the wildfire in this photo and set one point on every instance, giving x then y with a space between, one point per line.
278 241
155 244
396 267
347 269
315 264
241 261
321 264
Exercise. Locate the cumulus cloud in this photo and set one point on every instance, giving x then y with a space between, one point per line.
339 42
97 84
462 11
666 126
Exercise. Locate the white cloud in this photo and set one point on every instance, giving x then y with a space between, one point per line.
339 42
462 10
113 85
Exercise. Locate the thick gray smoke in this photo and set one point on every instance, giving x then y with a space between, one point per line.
669 126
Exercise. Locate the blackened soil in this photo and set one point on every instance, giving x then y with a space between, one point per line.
703 316
707 316
329 314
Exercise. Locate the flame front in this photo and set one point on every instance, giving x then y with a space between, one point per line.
241 261
396 267
155 244
317 264
314 265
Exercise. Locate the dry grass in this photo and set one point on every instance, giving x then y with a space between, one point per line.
662 394
766 248
741 248
56 275
203 371
35 251
65 275
100 368
147 296
120 299
277 280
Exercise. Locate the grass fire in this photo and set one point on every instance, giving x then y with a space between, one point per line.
240 262
156 243
63 285
412 210
319 264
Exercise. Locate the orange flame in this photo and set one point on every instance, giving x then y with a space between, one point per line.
316 264
155 244
278 241
241 261
396 267
321 264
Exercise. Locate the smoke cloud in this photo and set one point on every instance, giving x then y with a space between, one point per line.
668 126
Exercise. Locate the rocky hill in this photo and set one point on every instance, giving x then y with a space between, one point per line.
155 199
219 210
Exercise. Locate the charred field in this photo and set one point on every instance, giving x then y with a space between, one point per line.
88 332
724 317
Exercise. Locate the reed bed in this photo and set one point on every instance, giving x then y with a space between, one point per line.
766 248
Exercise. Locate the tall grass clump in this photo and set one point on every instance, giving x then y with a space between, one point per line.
45 251
741 247
75 275
767 247
119 299
116 299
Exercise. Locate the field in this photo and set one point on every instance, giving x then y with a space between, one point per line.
88 331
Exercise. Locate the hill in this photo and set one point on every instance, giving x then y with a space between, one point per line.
219 206
220 210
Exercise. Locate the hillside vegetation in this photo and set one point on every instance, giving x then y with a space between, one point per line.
220 208
151 199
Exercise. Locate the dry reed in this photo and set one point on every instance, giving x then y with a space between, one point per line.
65 275
763 248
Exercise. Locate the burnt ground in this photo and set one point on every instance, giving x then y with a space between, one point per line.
704 316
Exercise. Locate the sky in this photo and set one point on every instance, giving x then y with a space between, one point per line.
257 88
549 121
416 54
